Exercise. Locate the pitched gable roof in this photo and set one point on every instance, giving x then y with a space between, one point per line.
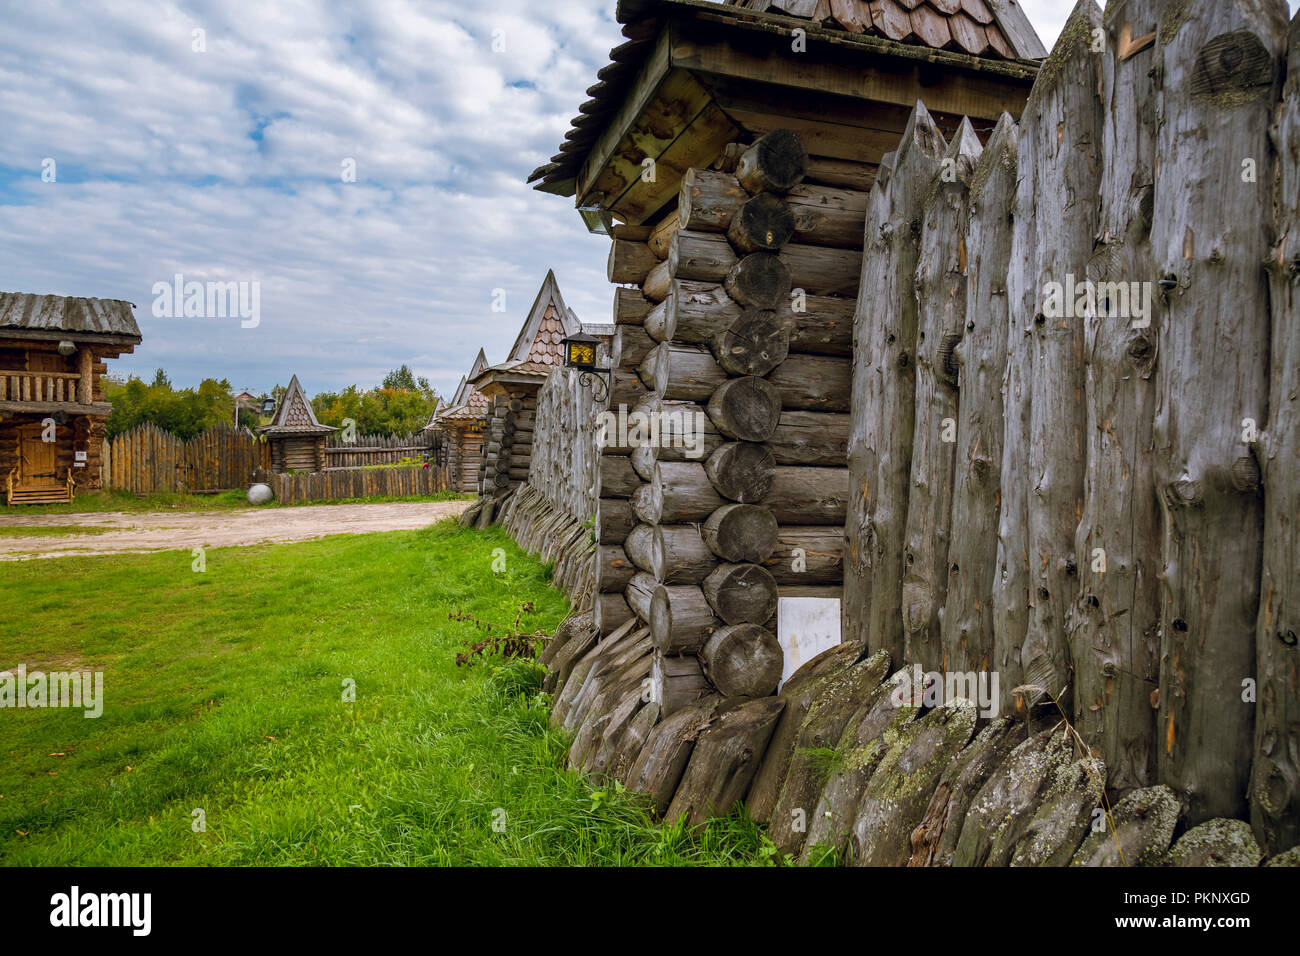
295 415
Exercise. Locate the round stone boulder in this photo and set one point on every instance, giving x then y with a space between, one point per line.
259 495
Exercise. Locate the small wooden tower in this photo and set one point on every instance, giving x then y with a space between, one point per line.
459 425
297 439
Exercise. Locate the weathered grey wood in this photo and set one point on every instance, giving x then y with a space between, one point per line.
805 496
639 592
568 657
606 674
681 619
629 261
814 382
967 630
1136 832
611 613
828 217
741 471
633 740
614 519
630 307
677 681
614 570
1060 135
1275 773
602 755
682 372
661 235
803 688
708 200
896 797
760 280
815 757
935 838
1000 814
693 312
1211 243
574 669
657 282
659 766
776 162
617 477
741 593
760 283
723 762
883 398
867 735
576 623
1069 804
754 343
1217 842
679 493
840 173
941 283
807 555
742 660
746 409
1114 635
642 546
737 532
763 224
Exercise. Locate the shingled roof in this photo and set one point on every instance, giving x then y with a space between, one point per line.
985 28
942 31
68 314
295 415
537 348
468 404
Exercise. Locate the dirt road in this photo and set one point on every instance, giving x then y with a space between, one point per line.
123 533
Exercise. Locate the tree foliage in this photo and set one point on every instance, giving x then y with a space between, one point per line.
184 412
401 405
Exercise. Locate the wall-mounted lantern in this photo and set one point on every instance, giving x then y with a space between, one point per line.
580 354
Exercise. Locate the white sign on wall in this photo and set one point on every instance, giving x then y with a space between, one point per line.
805 627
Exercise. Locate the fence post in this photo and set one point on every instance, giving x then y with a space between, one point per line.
1213 213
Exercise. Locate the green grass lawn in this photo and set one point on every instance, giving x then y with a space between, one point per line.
224 693
100 501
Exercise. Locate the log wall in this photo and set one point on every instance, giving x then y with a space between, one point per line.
1095 503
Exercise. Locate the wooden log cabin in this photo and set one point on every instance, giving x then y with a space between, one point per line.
53 353
728 150
510 389
296 438
459 426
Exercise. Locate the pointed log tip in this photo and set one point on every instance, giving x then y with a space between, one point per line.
921 134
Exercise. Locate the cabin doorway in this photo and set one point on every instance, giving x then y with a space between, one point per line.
37 461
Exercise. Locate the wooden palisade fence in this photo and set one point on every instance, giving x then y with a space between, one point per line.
347 483
1094 499
147 460
366 450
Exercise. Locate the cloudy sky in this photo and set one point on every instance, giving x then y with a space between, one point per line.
221 155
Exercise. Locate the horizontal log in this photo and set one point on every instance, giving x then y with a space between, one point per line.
617 479
807 555
809 495
629 261
821 383
763 224
707 200
614 519
695 312
681 619
742 660
677 681
630 307
630 346
639 592
657 281
841 173
741 471
738 533
680 493
741 593
828 217
662 234
776 162
746 409
811 438
611 612
613 569
818 270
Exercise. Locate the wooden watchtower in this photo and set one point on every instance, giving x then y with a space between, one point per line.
297 439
